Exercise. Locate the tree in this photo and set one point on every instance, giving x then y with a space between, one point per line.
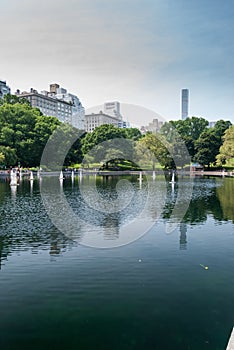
190 127
132 134
75 154
195 127
59 147
2 158
208 145
13 99
25 131
221 126
43 129
189 130
112 157
111 152
226 151
100 134
9 154
154 148
179 152
16 128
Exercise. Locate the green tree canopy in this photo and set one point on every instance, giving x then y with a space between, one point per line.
24 131
208 145
9 154
189 130
190 127
100 134
107 132
154 148
62 148
13 99
2 158
132 134
226 151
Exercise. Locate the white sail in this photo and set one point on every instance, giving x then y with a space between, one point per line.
13 178
173 178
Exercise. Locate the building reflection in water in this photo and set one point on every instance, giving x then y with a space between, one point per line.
54 248
183 236
111 228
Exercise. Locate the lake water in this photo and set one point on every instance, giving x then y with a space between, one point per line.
150 289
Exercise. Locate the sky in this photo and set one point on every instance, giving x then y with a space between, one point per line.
133 51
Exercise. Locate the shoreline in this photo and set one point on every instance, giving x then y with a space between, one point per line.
4 174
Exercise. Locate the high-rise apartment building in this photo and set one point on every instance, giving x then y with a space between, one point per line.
58 103
184 103
4 89
48 105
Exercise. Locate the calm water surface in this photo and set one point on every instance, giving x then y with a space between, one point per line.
57 293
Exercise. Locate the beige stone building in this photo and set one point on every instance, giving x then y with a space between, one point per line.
57 103
48 105
94 120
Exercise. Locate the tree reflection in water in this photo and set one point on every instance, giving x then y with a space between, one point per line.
24 224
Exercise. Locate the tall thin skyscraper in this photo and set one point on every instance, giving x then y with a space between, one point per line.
184 103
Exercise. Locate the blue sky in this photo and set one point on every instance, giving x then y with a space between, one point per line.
137 52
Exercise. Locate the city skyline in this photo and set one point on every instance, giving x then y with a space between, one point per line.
120 50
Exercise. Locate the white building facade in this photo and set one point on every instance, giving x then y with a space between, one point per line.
57 103
49 106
